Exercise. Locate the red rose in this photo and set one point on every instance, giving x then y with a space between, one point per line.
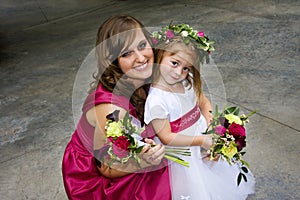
241 143
236 130
120 146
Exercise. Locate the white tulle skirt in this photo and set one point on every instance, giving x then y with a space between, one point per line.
208 180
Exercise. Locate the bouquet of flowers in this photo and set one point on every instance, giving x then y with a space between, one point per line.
229 138
124 141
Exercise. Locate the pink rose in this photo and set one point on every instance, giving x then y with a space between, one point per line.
154 40
236 130
120 146
200 34
170 34
110 139
220 130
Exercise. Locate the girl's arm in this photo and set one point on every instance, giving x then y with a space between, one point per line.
206 108
150 156
163 129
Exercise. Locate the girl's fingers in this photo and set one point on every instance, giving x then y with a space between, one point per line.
149 141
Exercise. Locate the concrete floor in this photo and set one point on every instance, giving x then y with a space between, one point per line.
44 43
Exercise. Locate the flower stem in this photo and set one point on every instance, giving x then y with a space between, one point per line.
179 161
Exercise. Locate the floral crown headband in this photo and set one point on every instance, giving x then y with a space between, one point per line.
199 39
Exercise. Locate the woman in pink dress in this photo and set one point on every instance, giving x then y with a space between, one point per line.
125 61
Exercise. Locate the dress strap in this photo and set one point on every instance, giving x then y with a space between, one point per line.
186 120
102 95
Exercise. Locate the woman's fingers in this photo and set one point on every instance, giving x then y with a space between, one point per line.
146 148
158 156
154 154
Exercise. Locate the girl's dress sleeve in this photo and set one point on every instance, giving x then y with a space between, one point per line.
155 107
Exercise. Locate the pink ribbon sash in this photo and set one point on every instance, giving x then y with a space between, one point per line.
186 120
178 125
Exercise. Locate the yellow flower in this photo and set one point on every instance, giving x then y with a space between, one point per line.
114 129
233 118
229 151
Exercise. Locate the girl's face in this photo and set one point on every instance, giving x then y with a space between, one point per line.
173 69
137 60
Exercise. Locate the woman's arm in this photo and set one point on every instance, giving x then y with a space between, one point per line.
163 129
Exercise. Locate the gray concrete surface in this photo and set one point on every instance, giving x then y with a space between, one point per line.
43 44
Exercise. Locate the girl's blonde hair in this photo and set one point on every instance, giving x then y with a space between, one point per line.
187 52
114 35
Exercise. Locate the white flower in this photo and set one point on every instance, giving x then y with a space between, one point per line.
184 33
156 35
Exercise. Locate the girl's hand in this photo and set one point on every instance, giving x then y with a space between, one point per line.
208 117
207 141
207 145
153 155
206 157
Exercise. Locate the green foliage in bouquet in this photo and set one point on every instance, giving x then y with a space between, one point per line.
229 138
123 141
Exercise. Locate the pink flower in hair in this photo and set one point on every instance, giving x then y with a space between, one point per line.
200 34
154 40
170 34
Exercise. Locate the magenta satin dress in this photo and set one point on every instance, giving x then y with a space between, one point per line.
81 177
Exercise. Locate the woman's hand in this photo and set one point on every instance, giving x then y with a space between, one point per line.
152 153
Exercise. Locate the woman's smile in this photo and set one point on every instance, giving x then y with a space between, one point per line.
142 67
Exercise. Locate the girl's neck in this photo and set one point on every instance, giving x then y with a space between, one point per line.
175 88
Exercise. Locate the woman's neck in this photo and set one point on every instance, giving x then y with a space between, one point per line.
136 82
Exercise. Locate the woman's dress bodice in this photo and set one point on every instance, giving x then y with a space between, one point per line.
82 179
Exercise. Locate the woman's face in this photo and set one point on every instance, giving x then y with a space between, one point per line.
137 60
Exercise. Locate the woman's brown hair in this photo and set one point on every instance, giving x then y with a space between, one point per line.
115 35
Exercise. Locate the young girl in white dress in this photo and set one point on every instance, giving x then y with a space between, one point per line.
172 108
